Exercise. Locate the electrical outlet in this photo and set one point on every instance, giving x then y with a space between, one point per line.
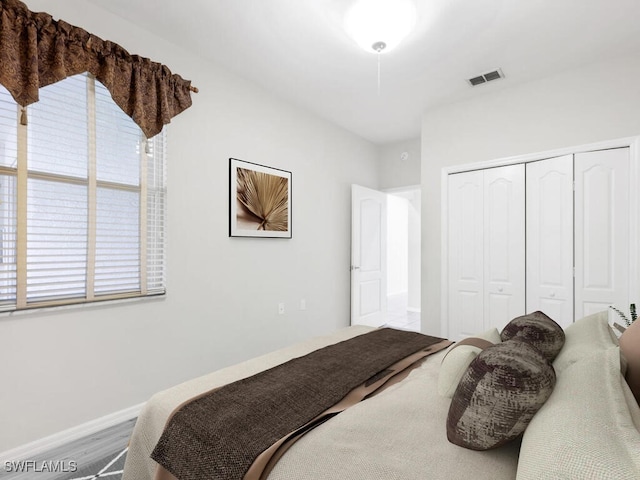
303 304
281 308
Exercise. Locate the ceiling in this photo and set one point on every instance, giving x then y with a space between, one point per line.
298 50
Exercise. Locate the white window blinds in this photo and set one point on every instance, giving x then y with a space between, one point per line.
82 200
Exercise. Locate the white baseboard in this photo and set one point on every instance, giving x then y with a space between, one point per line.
413 309
30 450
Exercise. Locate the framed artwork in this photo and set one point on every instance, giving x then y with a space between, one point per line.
260 200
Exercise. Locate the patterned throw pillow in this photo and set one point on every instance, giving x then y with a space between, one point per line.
458 358
538 330
500 392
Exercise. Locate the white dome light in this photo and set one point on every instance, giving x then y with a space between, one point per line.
378 25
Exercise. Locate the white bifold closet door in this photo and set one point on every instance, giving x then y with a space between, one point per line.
578 234
504 245
485 249
465 247
602 220
575 259
549 214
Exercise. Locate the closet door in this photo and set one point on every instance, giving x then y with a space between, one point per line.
465 252
550 238
601 231
504 245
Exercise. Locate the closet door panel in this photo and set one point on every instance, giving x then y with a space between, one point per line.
549 255
602 230
504 245
465 233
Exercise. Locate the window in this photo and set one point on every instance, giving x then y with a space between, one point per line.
82 200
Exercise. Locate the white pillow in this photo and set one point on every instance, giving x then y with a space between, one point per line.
583 338
587 428
457 360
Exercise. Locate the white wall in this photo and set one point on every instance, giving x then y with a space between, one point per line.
590 104
63 367
397 245
396 172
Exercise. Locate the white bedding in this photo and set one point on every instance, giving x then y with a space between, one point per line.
398 434
589 427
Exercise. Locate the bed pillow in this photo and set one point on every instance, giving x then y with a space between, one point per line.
537 329
583 338
502 389
458 358
630 348
587 429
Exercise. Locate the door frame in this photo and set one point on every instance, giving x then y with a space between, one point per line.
400 191
633 143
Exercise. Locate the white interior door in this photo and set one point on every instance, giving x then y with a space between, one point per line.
368 256
504 245
465 254
550 238
601 230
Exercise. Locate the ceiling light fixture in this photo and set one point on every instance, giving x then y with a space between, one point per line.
380 25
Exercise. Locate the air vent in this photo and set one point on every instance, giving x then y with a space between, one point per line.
486 77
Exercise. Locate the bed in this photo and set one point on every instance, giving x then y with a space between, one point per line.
589 426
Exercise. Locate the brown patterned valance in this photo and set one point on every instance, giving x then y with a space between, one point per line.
36 51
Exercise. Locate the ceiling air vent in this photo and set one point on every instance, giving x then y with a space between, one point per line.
486 77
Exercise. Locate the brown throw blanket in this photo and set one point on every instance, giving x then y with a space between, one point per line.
233 432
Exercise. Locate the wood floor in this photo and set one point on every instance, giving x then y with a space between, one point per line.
97 456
